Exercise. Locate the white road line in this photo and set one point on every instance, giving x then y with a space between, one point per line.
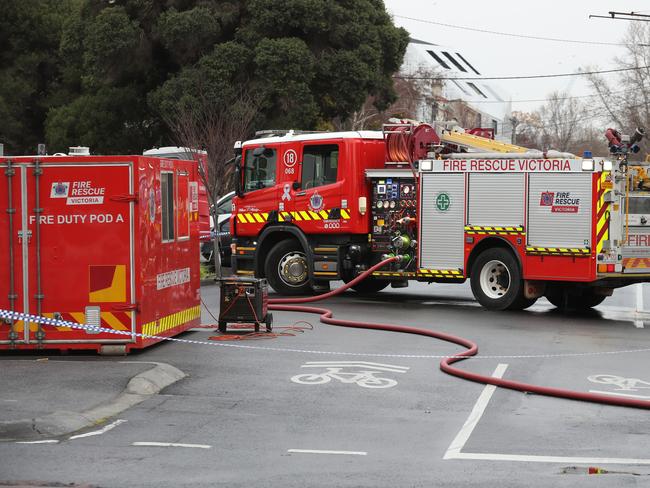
612 393
101 431
171 444
548 459
46 441
454 451
477 412
317 451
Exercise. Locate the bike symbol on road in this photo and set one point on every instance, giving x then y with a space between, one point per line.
622 384
362 373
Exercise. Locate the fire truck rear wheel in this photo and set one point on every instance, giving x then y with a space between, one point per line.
496 281
573 301
286 268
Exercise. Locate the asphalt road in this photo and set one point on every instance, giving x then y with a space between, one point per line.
263 416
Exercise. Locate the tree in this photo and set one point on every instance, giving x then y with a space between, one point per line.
626 103
30 32
303 63
418 96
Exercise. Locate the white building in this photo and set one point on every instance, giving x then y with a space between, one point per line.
471 103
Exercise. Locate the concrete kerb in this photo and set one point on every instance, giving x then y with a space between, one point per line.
56 424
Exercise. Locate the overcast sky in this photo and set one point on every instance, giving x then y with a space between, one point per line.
495 55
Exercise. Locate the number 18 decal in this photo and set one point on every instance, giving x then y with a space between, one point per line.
290 158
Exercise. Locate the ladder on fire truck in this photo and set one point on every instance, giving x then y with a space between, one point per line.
471 141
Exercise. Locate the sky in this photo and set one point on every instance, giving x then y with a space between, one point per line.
495 55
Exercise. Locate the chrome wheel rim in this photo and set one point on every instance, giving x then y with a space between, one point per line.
292 269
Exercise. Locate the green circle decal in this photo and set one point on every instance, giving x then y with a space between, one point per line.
443 202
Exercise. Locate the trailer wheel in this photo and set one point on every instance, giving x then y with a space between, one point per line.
496 281
287 269
367 286
561 298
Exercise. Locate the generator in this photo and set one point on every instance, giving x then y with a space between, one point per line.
244 300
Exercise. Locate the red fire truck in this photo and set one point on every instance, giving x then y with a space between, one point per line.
106 241
519 224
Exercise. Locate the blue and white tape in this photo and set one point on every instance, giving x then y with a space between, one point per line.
19 316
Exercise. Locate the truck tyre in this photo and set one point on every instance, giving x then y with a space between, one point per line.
367 286
496 281
559 297
286 268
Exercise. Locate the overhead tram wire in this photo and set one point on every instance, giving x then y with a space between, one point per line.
510 34
633 16
519 77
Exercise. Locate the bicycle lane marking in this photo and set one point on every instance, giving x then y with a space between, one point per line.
627 385
362 373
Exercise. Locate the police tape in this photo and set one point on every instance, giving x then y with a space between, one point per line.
37 319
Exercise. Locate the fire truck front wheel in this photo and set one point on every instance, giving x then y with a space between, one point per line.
286 268
496 281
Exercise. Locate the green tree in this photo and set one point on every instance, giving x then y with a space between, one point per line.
30 32
130 64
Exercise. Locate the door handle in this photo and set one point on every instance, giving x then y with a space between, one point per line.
21 235
301 193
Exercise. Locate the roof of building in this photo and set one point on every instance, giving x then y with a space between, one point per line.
446 61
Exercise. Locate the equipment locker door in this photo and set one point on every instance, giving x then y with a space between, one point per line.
442 215
81 251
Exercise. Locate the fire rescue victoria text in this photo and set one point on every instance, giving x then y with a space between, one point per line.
507 165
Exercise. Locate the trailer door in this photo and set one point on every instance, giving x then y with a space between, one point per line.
79 254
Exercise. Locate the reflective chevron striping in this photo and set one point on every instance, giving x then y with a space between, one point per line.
493 230
298 216
559 251
602 213
168 322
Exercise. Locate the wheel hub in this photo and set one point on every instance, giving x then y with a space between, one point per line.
495 279
292 268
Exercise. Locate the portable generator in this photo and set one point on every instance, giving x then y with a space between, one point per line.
244 300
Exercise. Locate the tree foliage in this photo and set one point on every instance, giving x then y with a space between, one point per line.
30 32
107 74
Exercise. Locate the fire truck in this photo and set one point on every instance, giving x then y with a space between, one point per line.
450 205
110 242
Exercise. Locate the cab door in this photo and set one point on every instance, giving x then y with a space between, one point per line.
319 205
261 191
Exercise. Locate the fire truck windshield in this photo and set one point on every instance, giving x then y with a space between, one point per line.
259 171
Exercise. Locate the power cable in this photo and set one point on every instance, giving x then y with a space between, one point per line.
510 34
521 77
573 97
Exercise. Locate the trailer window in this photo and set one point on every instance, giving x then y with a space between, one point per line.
319 165
259 171
167 204
183 205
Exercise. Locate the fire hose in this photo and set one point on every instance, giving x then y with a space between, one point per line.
327 317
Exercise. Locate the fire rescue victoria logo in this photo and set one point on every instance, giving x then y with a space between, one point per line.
60 189
560 202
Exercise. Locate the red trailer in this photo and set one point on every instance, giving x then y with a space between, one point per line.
109 241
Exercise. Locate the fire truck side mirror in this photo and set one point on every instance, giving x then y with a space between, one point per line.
296 185
238 184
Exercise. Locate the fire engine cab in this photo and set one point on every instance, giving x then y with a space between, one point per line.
450 205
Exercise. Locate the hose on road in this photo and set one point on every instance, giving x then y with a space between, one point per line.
327 317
